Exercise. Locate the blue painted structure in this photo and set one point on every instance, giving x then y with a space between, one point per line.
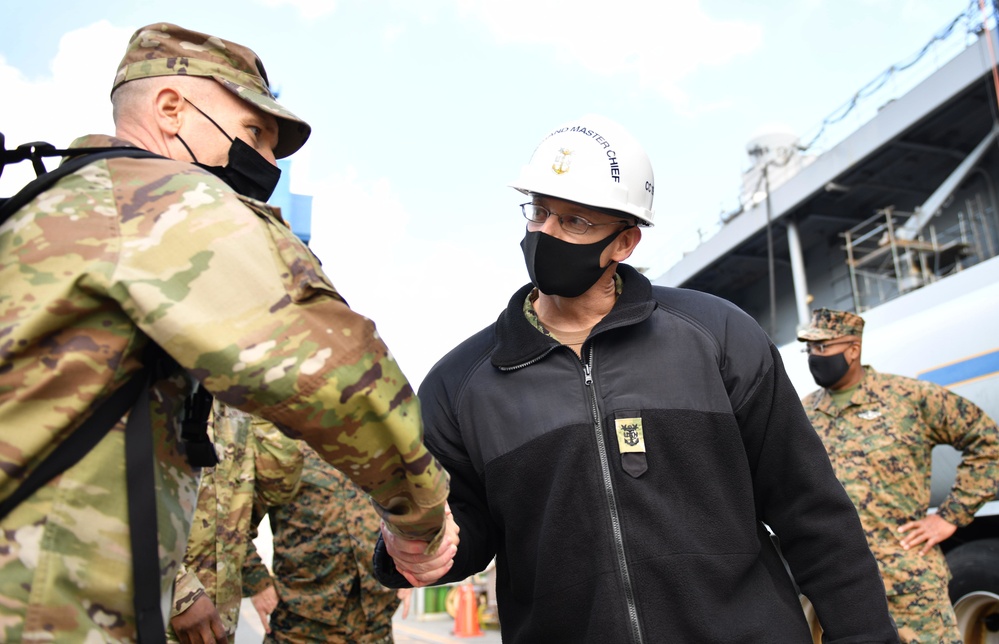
296 209
972 368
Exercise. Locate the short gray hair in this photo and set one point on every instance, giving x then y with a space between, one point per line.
126 97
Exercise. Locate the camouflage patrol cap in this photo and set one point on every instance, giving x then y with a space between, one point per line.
163 49
827 324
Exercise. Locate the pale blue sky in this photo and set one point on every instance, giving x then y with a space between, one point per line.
424 110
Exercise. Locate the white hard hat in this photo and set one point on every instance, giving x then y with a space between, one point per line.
595 162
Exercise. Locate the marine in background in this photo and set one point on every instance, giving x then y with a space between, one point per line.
879 430
323 579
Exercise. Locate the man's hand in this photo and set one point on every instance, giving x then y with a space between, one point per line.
404 595
199 624
265 602
930 529
418 568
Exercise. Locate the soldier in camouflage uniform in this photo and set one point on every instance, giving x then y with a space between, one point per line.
257 463
126 252
879 430
323 574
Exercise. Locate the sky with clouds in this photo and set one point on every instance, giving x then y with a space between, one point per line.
423 112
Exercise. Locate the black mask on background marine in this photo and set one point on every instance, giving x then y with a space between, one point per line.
828 370
248 172
559 268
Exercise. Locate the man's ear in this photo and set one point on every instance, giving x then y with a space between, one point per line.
625 244
854 352
168 108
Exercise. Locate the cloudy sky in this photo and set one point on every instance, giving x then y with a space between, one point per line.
424 110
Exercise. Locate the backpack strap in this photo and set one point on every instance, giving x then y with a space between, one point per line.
139 470
198 447
81 158
79 443
143 532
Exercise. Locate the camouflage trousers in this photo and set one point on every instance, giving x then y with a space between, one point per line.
322 635
925 618
352 627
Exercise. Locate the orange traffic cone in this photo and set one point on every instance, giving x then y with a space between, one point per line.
466 621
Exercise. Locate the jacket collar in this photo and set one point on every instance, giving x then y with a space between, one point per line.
864 394
100 141
518 343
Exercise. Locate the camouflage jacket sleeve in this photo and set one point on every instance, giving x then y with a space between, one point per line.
956 421
277 461
224 286
187 588
256 577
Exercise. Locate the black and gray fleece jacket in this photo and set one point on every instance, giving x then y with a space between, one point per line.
624 495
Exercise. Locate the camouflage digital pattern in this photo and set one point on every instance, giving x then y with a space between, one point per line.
323 543
129 248
880 446
532 315
829 324
925 618
257 463
165 49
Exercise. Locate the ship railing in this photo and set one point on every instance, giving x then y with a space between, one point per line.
959 34
883 266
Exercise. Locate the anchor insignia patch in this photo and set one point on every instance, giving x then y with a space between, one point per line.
629 435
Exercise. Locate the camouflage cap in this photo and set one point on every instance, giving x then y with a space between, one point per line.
827 324
163 49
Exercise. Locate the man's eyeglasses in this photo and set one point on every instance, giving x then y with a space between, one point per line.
570 223
820 347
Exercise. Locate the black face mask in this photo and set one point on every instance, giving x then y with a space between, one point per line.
828 370
248 172
559 268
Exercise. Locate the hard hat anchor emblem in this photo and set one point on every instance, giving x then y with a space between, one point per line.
562 161
595 163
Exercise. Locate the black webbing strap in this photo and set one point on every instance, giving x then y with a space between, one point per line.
139 469
82 157
199 448
79 443
142 529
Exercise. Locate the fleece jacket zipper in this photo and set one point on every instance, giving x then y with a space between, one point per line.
618 536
